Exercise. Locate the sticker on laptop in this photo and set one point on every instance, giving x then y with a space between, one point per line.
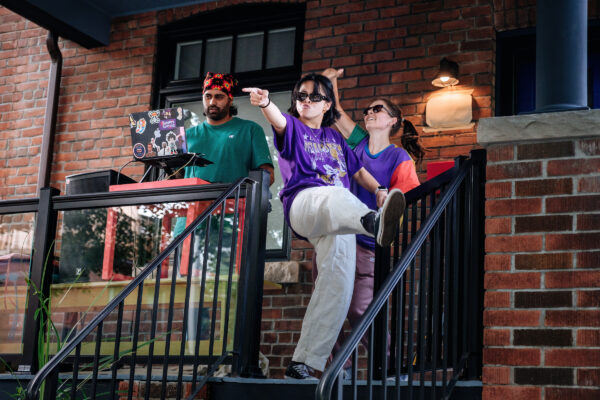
141 126
139 150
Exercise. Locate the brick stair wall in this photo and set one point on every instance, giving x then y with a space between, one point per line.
542 270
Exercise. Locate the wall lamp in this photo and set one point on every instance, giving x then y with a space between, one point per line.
448 74
448 109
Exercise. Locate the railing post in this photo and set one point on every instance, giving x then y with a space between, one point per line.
40 276
251 281
475 268
382 270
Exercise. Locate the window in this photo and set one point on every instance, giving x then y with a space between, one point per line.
262 46
515 73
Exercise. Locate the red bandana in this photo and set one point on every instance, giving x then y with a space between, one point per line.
222 82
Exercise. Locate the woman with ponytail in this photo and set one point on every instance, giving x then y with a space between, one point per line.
392 166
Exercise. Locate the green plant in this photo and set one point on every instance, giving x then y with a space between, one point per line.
49 331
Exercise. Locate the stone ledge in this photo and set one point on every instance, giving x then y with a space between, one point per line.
536 127
282 272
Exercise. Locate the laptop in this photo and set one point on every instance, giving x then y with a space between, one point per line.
158 134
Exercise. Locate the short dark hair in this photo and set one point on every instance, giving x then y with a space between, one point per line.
319 82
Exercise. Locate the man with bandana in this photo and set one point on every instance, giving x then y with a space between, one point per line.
234 145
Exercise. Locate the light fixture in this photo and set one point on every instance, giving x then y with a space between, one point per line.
448 74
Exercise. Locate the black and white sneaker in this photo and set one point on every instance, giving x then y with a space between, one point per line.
298 370
388 217
368 222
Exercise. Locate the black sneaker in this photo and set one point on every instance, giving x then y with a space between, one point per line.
298 370
388 217
368 222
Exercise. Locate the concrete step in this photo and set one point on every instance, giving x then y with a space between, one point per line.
291 389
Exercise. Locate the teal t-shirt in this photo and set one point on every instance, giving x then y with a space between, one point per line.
357 136
234 147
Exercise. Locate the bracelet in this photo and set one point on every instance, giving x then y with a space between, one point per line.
380 188
267 103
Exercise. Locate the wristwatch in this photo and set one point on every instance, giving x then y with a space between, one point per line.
380 188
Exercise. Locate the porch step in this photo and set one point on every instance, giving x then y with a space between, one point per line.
227 388
259 389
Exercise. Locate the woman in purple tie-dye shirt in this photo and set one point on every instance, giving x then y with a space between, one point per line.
318 206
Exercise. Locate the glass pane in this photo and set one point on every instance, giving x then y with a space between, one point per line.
16 243
187 60
248 52
280 48
218 54
275 221
104 249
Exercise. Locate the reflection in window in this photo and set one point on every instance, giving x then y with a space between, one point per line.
248 52
187 60
280 48
218 54
103 249
125 236
16 240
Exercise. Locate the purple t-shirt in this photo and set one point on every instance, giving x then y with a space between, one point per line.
387 166
312 157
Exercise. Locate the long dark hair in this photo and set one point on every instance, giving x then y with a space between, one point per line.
410 136
319 81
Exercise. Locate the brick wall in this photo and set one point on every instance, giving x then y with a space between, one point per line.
542 279
99 88
393 48
387 48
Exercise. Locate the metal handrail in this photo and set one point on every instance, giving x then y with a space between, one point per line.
328 379
35 384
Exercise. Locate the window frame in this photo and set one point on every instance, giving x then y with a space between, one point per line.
234 20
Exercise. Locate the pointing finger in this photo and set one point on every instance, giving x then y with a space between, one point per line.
252 90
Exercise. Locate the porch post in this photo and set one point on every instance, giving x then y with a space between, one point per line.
249 307
561 55
40 276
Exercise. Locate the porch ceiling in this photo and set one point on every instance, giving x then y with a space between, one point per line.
86 22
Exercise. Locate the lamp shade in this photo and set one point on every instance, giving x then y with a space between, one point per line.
448 74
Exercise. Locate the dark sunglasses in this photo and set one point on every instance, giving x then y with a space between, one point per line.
377 108
314 97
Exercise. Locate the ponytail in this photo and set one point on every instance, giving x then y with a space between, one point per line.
410 141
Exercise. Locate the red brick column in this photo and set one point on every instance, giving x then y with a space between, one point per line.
542 270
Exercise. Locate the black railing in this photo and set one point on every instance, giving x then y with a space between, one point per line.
126 346
425 320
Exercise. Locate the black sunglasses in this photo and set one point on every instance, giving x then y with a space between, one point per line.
314 97
376 108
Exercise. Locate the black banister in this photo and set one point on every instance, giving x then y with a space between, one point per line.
252 186
430 242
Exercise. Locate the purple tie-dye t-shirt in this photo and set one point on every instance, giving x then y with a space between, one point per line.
312 157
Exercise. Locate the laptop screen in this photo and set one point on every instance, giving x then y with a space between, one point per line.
158 133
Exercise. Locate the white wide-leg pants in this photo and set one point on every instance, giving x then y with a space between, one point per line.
329 217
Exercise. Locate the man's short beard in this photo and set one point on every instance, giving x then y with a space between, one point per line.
222 113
